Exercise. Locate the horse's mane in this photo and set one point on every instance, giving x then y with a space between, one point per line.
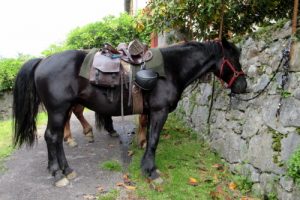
209 47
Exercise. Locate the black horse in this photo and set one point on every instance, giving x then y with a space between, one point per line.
54 81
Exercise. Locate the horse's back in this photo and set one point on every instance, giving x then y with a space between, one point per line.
56 76
64 62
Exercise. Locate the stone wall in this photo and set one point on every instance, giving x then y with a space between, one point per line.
254 137
6 100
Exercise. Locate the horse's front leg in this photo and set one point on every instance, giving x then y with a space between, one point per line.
157 120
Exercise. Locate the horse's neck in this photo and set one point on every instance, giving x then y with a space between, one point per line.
188 64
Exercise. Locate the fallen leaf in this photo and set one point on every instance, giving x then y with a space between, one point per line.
89 197
127 180
216 179
166 136
232 186
193 181
111 146
130 153
129 187
155 187
100 189
218 167
119 184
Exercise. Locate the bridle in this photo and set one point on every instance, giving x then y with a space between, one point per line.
228 64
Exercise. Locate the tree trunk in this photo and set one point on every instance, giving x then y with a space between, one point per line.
127 6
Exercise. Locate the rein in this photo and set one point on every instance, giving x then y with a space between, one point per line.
285 61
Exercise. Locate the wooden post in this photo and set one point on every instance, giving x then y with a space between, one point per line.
294 27
154 40
222 20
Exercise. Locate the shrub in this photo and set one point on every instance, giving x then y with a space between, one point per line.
8 71
294 166
113 30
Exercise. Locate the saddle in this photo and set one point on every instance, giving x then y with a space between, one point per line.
107 69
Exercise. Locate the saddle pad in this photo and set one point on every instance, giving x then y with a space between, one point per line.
156 63
87 63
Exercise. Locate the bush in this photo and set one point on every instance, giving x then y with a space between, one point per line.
113 30
9 68
294 166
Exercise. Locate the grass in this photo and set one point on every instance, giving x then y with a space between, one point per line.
111 165
181 156
6 147
111 195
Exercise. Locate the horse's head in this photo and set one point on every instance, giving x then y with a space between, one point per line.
229 68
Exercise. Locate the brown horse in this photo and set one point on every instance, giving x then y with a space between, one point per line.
87 128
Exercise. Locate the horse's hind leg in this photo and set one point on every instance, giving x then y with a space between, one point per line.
54 138
109 127
67 133
87 128
142 131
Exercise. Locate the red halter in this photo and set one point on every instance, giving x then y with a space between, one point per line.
226 62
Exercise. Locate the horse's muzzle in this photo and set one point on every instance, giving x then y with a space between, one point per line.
239 86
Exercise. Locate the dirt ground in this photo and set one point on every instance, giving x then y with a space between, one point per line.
27 178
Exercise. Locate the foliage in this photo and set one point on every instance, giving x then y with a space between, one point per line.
8 71
198 19
189 171
55 48
293 169
111 165
113 30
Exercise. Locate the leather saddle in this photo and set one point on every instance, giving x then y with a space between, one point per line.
134 53
107 70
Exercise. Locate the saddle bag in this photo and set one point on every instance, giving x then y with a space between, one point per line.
105 71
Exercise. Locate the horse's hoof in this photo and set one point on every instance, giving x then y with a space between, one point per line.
144 145
62 182
71 175
113 134
90 137
158 180
71 143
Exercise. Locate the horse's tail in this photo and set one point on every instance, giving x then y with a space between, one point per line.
99 120
25 104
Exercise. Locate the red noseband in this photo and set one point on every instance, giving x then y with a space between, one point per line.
226 62
235 74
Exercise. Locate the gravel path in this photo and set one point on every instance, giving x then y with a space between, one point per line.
27 178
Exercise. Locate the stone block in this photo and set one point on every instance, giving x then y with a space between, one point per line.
230 146
286 183
260 153
205 94
289 145
253 123
290 112
269 111
268 183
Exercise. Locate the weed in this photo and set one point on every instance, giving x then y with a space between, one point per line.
111 165
111 195
293 166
